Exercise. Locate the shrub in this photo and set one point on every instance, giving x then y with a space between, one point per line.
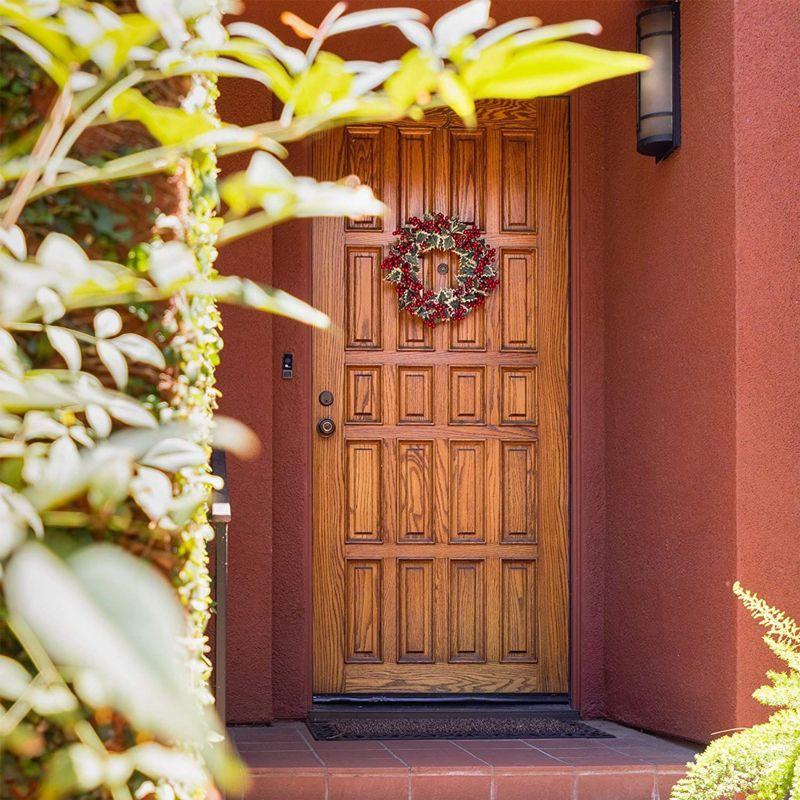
758 763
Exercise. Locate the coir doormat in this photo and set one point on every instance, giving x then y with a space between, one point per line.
485 726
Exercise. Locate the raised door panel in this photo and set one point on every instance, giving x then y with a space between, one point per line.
415 190
518 181
467 491
518 299
364 158
415 492
364 395
518 611
363 589
363 308
415 611
467 395
415 395
364 495
467 174
470 332
518 395
518 492
415 194
467 611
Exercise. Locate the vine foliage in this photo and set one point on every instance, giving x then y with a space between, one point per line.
111 213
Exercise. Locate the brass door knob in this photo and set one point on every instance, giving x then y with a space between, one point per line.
326 427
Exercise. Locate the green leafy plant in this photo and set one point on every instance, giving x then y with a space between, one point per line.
110 222
758 763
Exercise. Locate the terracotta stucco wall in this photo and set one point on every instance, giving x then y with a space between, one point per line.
670 402
247 377
767 175
702 368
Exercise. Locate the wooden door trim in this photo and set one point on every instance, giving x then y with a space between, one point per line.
321 228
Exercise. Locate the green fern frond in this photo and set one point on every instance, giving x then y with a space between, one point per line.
780 627
782 692
785 651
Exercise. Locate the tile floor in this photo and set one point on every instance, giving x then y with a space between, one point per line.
287 764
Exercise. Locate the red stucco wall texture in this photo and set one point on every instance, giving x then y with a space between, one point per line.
670 401
684 384
767 176
246 378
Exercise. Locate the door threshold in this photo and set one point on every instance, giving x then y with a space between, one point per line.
337 706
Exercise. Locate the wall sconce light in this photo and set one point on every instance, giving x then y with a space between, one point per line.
658 127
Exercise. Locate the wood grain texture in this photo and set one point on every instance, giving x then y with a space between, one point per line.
364 491
363 607
440 504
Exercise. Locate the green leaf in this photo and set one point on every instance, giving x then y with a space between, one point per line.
37 52
415 78
451 28
324 82
114 362
359 20
66 345
540 70
14 678
453 91
242 291
247 52
267 183
168 125
111 614
292 58
138 348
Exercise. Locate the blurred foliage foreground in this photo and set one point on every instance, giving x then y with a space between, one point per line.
110 215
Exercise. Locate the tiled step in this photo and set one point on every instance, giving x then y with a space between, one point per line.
287 764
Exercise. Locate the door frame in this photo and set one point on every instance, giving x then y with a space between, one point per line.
575 404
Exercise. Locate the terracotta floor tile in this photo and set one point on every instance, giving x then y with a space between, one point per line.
450 787
287 787
649 749
252 738
568 744
368 787
528 786
615 760
360 761
457 758
419 744
491 744
516 758
347 747
615 786
665 781
273 747
286 760
568 755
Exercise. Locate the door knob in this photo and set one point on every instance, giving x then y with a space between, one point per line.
326 427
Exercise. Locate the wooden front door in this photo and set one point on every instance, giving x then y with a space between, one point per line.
440 501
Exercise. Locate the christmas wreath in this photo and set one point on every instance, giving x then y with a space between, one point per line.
476 277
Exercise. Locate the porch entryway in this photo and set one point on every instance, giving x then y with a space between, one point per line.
287 764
